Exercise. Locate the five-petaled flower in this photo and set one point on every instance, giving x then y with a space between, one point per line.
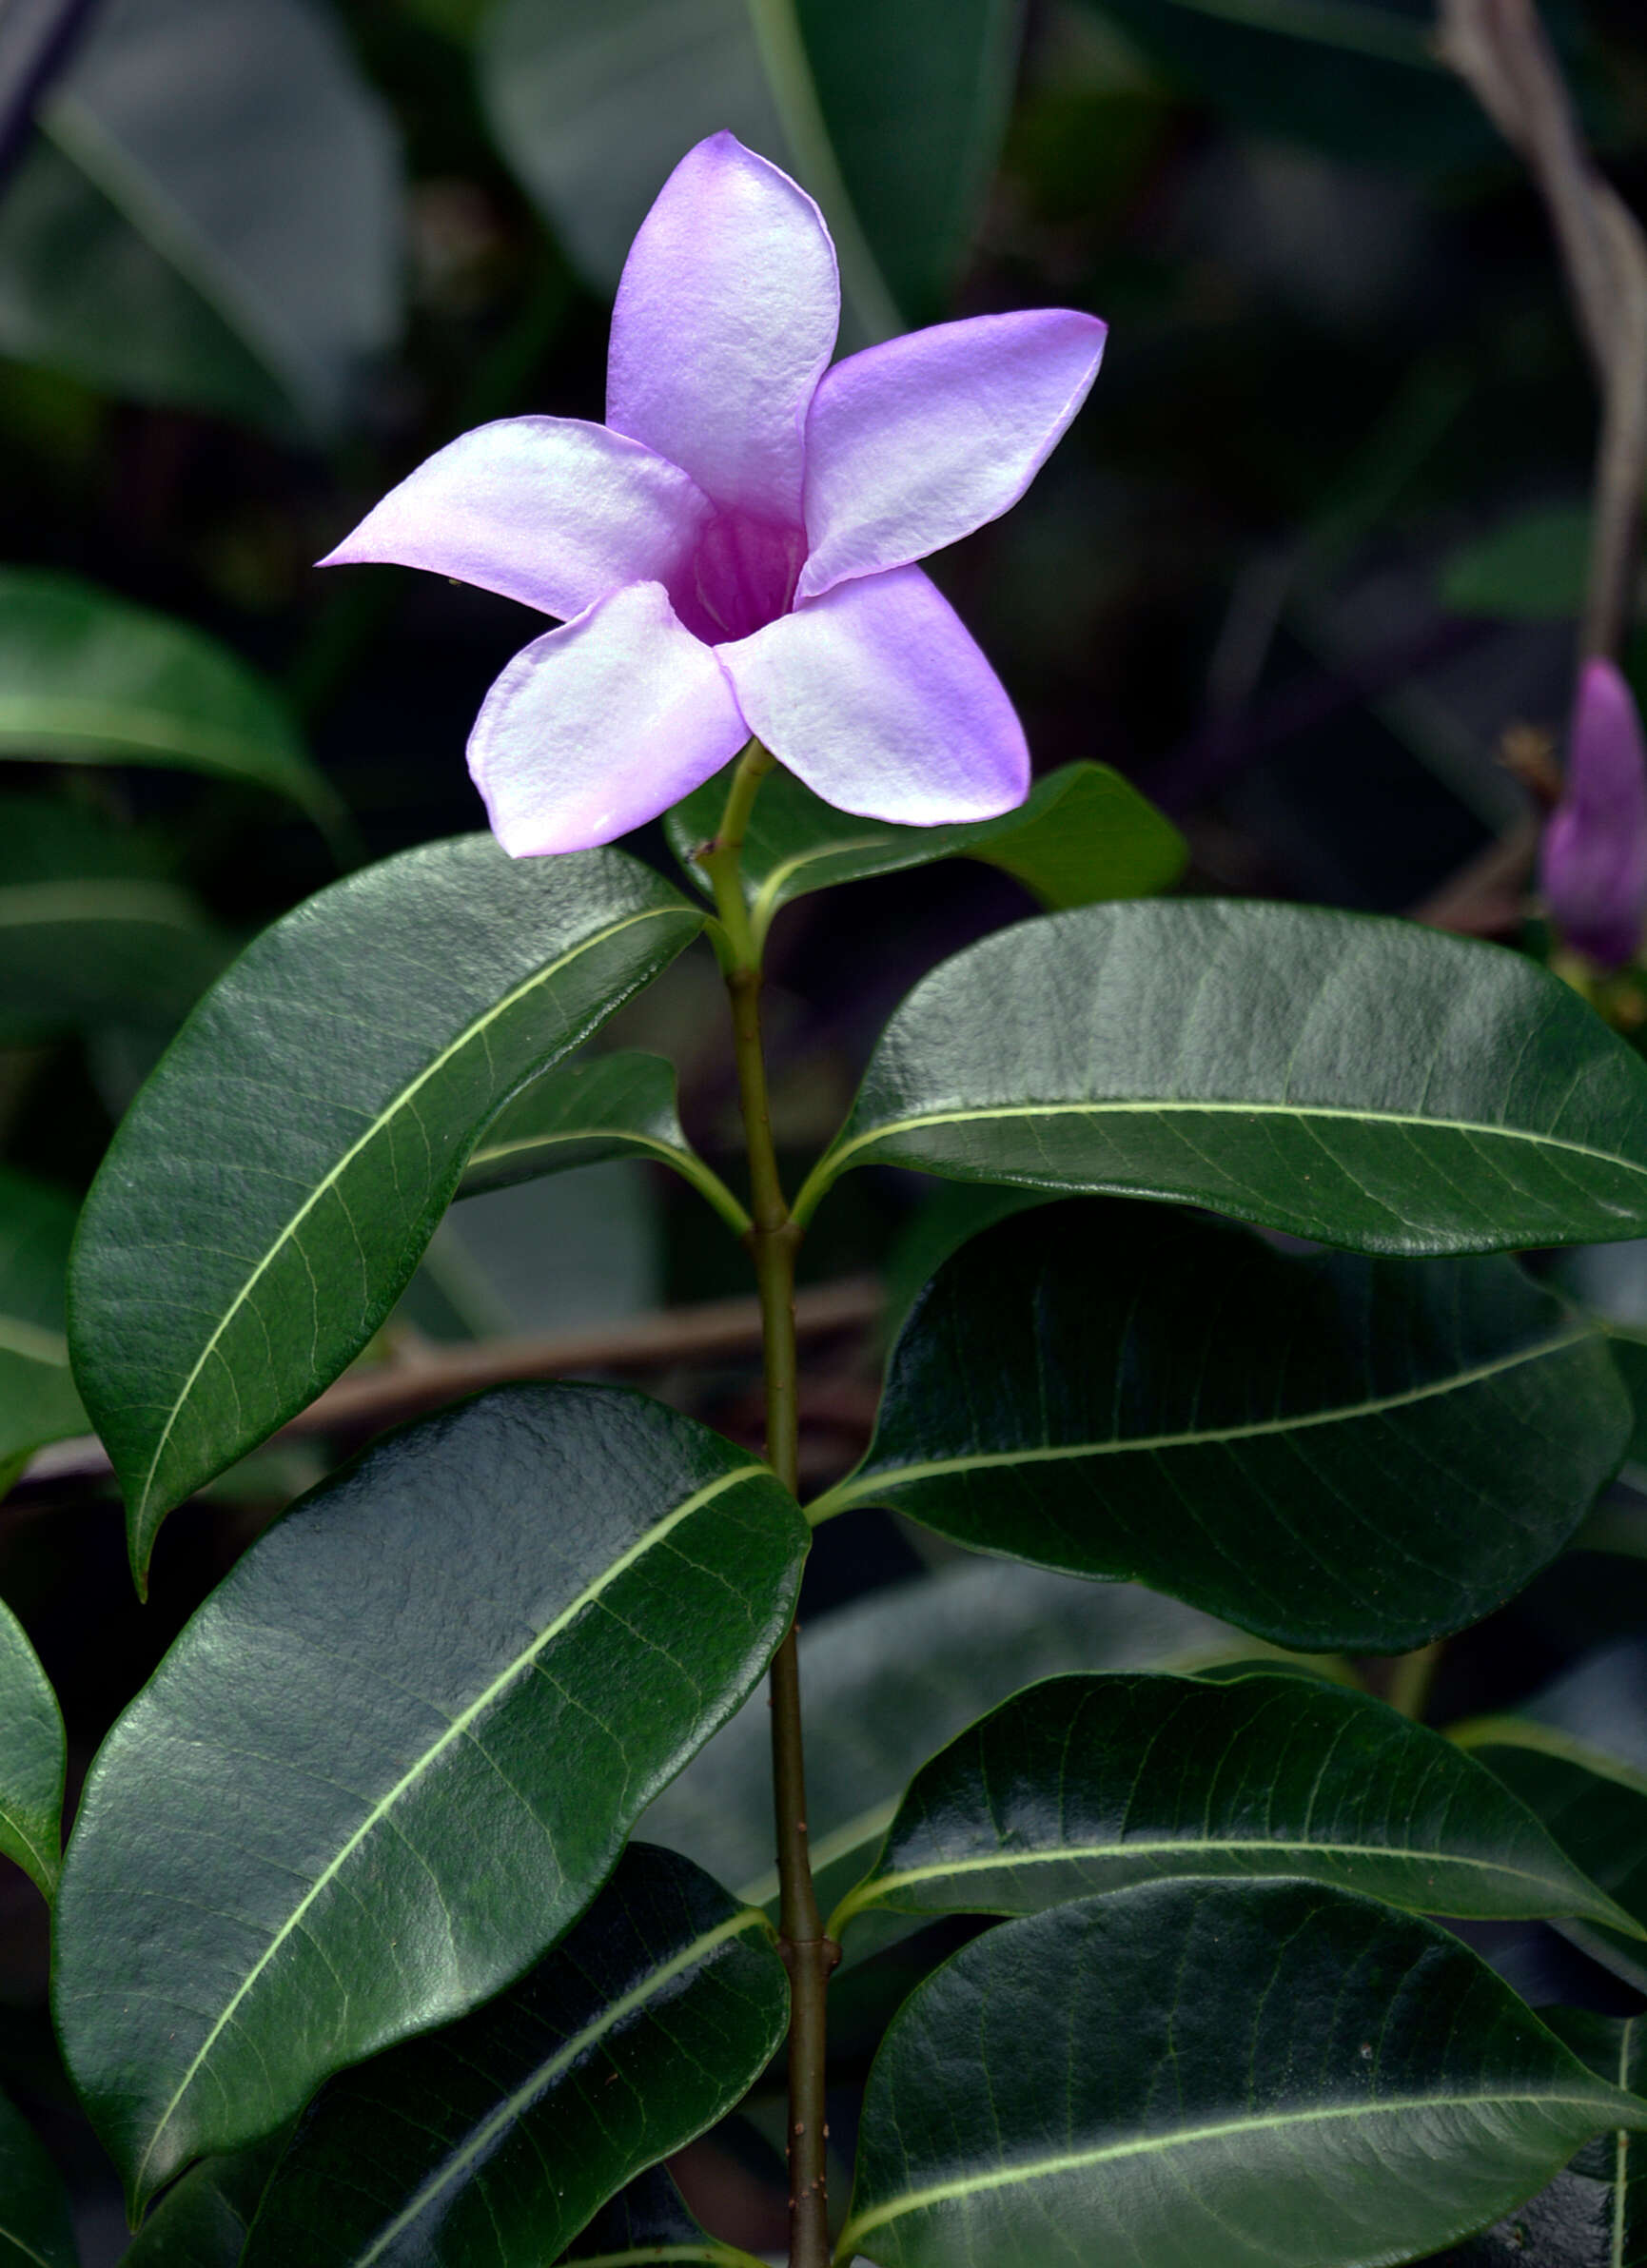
1593 862
734 552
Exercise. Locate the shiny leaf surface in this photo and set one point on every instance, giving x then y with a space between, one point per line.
32 1760
202 2221
1084 834
343 1067
1330 1451
1087 1784
500 2138
1368 1082
1256 2073
37 1398
443 1687
1614 2048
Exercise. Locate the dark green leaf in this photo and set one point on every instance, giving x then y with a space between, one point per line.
268 1194
209 216
890 1679
37 1398
1086 1783
890 111
1366 1081
1614 2048
500 2139
202 2221
1596 1809
32 1761
583 1113
1534 569
949 1216
648 2221
1330 1451
1188 2072
89 678
1084 835
442 1688
36 2231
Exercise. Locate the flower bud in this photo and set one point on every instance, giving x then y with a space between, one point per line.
1592 865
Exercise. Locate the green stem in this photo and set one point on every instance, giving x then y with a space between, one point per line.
809 1953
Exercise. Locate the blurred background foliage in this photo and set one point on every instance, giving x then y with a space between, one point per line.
1306 570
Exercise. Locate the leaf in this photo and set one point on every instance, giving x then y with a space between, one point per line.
271 1190
211 216
1330 1451
442 1688
648 2221
498 2139
37 1398
36 2231
1532 569
33 1752
88 679
1356 78
1188 2071
583 1113
202 2221
1615 2049
889 1679
1594 1806
1087 1784
1084 834
890 111
1365 1082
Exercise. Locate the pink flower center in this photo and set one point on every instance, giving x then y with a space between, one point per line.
741 576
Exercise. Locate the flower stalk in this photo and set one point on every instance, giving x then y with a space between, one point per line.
808 1954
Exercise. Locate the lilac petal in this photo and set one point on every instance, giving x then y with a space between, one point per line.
552 511
600 725
1593 863
726 317
878 699
915 443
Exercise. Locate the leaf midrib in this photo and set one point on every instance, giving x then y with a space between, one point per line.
943 2193
33 1341
28 2251
329 1180
854 1490
26 904
545 2074
456 1730
36 717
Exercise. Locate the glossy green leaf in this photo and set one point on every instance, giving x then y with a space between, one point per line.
37 1398
620 1105
1595 1808
1614 2048
270 1191
648 2221
888 1680
202 2221
500 2139
1365 1082
209 216
1084 834
1087 1784
36 2231
442 1688
890 111
1332 1451
1532 569
1254 2073
31 1759
89 678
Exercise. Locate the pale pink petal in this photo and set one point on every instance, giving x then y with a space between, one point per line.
913 445
600 725
726 319
878 699
552 511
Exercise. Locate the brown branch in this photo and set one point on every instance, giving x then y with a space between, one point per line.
383 1394
1500 49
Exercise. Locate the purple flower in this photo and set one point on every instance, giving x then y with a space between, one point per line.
1593 864
733 552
